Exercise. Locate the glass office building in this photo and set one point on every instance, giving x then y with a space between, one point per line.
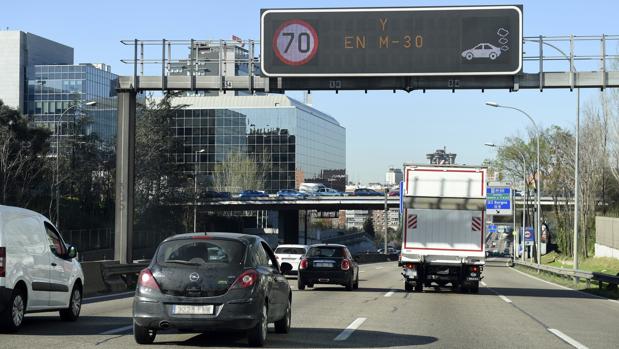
54 90
293 141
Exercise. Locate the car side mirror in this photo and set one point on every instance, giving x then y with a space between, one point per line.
285 268
71 252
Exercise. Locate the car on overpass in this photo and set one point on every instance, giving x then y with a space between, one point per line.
328 192
38 270
366 192
328 264
212 281
251 194
291 193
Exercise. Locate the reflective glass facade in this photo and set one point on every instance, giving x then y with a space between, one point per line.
296 142
54 89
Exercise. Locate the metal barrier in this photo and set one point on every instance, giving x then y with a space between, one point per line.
606 278
561 272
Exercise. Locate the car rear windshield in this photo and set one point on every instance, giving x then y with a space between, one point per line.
290 250
325 251
199 252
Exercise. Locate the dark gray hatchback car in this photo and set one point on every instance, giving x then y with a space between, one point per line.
212 281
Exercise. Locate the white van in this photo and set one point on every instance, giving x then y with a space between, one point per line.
311 188
38 271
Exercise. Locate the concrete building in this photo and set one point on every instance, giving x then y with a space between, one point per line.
393 176
19 53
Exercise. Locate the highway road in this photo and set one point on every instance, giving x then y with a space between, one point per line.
512 310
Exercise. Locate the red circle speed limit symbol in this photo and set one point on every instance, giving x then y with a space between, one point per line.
295 42
527 234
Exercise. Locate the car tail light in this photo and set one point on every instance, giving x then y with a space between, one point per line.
201 237
410 266
345 264
246 279
147 282
2 261
304 263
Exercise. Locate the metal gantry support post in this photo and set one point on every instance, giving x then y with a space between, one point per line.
386 219
125 170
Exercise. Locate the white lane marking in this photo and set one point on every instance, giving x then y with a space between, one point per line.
362 271
483 284
117 330
564 287
110 296
379 268
350 329
505 298
571 341
389 294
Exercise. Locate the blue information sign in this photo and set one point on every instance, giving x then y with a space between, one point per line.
498 200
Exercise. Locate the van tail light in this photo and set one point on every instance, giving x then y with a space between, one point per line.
2 262
345 264
247 279
147 282
474 269
410 266
304 263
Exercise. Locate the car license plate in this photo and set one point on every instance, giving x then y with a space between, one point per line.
192 309
323 265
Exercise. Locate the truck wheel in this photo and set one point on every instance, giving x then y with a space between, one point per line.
474 288
408 287
418 287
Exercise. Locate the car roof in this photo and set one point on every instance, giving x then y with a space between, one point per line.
292 245
245 238
327 245
18 210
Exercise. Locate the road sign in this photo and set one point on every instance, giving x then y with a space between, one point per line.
529 236
492 228
499 199
412 41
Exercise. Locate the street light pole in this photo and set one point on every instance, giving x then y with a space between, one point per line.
538 187
386 219
524 204
57 179
570 58
195 189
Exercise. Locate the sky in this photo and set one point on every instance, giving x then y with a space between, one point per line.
383 129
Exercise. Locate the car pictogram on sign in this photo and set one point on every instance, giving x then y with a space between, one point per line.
295 42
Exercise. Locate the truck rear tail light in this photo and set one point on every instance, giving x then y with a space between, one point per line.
147 282
304 263
2 262
345 264
246 279
474 269
410 266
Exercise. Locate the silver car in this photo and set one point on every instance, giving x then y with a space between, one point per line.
483 50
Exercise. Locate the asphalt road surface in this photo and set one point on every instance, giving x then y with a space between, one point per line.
512 310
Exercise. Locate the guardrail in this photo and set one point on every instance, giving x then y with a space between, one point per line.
600 278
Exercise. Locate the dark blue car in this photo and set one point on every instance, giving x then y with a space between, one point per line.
367 192
253 194
290 193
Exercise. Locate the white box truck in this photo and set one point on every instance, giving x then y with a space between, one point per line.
443 226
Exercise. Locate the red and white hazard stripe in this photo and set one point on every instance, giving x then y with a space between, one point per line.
476 224
412 221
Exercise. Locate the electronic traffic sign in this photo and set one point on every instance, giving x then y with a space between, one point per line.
499 199
412 41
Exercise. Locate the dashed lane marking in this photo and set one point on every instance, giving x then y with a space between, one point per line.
350 329
483 284
507 300
389 294
569 340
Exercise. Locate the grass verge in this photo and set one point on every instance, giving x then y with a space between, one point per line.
581 286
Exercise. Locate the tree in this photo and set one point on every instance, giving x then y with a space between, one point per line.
368 226
159 180
23 149
239 172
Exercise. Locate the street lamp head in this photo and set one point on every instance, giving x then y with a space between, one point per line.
91 103
492 145
492 104
201 151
